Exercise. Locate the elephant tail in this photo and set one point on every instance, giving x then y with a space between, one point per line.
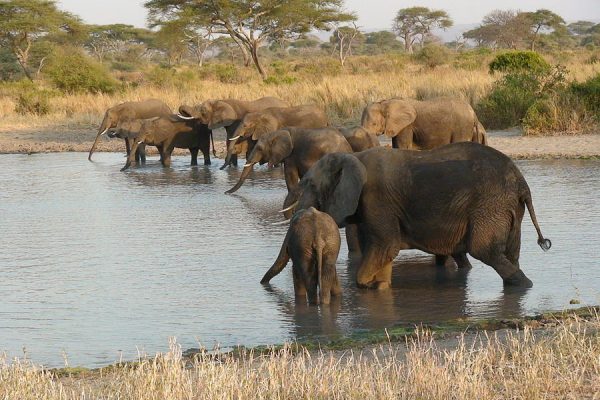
280 262
479 134
319 257
544 243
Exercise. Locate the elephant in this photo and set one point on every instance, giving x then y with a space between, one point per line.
129 111
313 243
359 139
424 125
459 198
168 133
227 114
297 148
255 124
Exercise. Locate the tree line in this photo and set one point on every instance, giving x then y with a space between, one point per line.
192 31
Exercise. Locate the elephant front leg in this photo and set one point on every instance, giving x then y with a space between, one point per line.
375 270
130 157
462 261
352 240
194 153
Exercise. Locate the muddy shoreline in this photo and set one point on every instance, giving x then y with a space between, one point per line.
511 142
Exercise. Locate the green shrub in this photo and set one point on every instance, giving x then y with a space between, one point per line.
433 55
472 60
76 73
516 61
511 97
560 112
226 73
589 92
123 66
32 100
319 67
280 74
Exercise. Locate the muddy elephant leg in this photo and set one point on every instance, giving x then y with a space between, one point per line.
160 152
166 158
352 239
330 286
130 156
403 140
141 153
194 152
440 260
462 261
128 145
374 270
299 286
230 131
510 273
206 154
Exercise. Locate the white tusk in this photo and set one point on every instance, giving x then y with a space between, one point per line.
104 132
289 208
235 138
184 117
140 142
280 222
248 165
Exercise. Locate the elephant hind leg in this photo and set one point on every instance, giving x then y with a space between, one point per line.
462 261
374 271
194 152
440 260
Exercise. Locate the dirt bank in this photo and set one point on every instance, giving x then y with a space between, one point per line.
36 140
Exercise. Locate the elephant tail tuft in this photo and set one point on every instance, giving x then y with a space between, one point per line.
543 242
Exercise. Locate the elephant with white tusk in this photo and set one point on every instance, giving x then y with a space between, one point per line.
227 114
130 110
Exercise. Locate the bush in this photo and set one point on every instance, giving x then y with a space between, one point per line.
32 100
517 61
560 112
472 60
280 74
512 96
76 73
433 55
589 92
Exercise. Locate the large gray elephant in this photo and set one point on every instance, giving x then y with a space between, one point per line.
129 111
255 124
359 139
313 243
297 148
459 198
227 114
424 125
168 133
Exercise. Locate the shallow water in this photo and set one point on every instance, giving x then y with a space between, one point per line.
97 265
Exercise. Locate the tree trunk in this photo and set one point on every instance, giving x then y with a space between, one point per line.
254 53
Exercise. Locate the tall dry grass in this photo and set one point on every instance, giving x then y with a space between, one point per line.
563 363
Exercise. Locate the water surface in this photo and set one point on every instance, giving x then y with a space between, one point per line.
98 265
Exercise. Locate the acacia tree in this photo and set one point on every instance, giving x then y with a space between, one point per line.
543 20
23 22
105 40
252 23
343 39
501 28
416 23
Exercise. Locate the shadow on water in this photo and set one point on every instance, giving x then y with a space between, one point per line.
98 263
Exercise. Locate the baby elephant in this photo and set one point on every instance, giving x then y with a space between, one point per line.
313 243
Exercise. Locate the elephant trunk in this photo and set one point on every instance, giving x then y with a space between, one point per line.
282 259
247 169
230 146
103 129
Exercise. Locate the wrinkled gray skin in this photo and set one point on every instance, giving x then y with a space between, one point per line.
313 244
168 133
130 110
256 124
227 114
359 139
424 125
459 198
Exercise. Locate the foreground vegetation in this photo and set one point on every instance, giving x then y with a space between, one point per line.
558 362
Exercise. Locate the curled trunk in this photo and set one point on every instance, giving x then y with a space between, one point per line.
103 128
245 173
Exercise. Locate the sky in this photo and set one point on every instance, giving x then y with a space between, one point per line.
373 14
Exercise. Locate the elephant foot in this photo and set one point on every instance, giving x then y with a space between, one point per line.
383 285
377 285
518 279
440 261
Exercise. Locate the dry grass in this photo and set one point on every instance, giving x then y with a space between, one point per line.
561 363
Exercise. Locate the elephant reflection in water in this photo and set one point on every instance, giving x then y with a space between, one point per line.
170 177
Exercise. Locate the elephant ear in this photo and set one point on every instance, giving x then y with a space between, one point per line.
398 115
222 115
373 119
281 146
339 193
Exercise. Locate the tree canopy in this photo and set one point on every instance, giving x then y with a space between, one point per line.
252 23
416 23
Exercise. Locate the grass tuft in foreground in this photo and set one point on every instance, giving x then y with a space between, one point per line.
562 362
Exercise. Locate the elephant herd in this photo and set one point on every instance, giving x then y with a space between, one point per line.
456 196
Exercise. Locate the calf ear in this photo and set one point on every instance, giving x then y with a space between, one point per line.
264 124
340 193
281 146
398 115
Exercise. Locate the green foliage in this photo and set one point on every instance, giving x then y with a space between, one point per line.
33 100
227 73
472 60
77 73
319 67
515 61
10 69
433 55
280 74
589 92
512 96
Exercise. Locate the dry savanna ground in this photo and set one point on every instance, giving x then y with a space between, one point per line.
72 124
559 361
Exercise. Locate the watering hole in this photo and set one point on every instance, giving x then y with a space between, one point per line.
98 265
